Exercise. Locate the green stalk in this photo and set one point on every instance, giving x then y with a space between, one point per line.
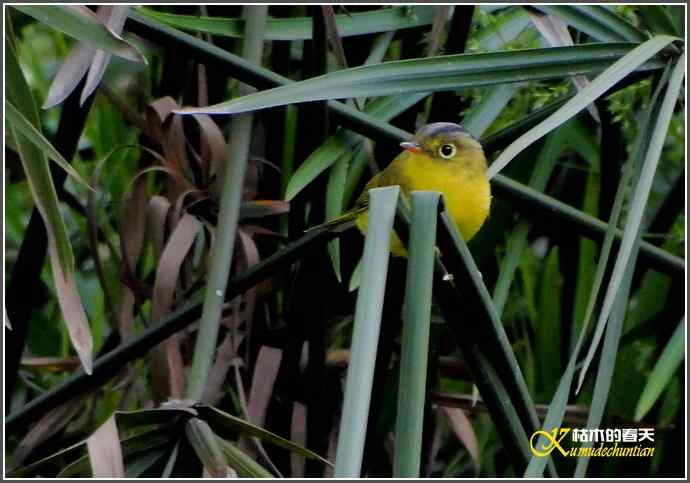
365 336
415 336
231 198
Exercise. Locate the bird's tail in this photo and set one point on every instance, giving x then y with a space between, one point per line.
341 223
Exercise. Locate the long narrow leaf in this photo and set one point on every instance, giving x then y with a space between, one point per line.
596 21
638 204
360 373
446 72
79 22
671 358
300 28
615 73
43 192
415 336
34 136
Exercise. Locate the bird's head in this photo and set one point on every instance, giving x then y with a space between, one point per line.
447 142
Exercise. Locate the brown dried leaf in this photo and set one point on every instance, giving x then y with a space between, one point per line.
167 127
51 423
556 33
105 452
298 435
462 427
156 223
262 208
72 310
69 75
226 354
334 39
114 20
439 25
213 145
263 379
51 364
167 369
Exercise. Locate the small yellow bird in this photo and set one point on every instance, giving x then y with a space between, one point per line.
443 157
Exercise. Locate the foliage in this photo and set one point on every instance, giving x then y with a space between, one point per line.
580 263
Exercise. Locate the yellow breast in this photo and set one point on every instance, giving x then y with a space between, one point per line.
467 193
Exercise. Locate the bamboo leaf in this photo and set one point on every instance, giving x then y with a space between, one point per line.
360 373
415 336
671 358
447 72
79 22
300 28
615 73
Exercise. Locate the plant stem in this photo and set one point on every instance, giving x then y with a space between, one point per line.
231 198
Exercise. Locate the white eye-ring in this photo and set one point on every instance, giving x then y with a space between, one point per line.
447 151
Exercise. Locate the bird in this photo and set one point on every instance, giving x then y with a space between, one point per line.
441 156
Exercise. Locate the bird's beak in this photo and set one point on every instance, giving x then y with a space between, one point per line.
411 146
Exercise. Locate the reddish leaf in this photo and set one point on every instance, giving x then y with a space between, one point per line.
114 18
263 379
298 435
167 370
437 29
72 310
462 427
105 452
51 423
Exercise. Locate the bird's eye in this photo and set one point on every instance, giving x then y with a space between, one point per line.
447 151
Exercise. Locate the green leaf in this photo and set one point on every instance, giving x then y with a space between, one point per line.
34 136
639 202
659 19
548 325
344 142
553 147
355 277
663 371
206 446
447 72
241 462
493 101
334 206
596 21
79 22
360 372
225 425
486 347
300 28
414 351
503 28
612 75
43 192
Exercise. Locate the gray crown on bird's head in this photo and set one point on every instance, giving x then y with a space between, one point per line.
448 129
